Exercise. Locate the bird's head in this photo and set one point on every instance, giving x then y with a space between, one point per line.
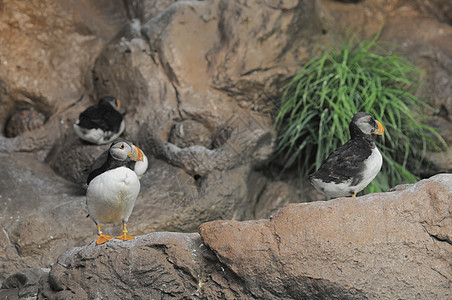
125 151
112 101
364 123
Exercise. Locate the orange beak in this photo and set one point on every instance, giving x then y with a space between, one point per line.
381 130
118 104
136 154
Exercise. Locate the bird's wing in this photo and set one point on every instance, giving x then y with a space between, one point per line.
113 118
344 163
104 117
98 162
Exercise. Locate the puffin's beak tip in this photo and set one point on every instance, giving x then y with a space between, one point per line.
381 129
139 154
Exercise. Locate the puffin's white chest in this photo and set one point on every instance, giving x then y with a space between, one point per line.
371 167
111 195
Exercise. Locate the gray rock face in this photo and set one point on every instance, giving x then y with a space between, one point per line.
190 133
395 245
24 284
42 216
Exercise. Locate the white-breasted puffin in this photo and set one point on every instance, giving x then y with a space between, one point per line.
351 167
100 123
113 189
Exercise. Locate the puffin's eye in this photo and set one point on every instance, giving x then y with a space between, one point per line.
122 147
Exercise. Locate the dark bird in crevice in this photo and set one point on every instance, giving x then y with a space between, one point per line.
101 123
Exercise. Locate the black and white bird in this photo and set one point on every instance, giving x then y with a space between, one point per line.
351 167
101 123
113 189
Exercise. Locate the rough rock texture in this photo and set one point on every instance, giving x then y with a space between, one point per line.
23 284
45 63
42 215
190 133
217 64
395 245
156 266
22 121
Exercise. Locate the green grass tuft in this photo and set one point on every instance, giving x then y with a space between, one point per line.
321 99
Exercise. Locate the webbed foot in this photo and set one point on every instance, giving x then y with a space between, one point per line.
103 239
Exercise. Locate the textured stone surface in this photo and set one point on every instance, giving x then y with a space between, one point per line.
157 266
42 215
47 56
190 133
395 245
22 121
23 284
218 63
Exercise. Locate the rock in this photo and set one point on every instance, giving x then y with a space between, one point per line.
42 215
394 245
45 215
375 246
61 55
49 53
73 159
146 10
24 282
275 195
24 120
163 81
158 266
251 143
190 133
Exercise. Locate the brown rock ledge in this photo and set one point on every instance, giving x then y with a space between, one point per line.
395 245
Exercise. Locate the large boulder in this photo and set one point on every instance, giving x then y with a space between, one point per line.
394 245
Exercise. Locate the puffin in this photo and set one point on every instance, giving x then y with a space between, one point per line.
351 167
113 189
101 123
139 167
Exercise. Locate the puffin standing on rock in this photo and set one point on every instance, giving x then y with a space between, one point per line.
351 167
100 123
113 189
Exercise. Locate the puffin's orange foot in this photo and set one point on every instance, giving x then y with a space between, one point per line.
125 237
103 239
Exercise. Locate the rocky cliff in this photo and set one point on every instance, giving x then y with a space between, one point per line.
199 81
395 245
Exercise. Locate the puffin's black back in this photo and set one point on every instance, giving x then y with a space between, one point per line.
110 164
102 115
346 161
